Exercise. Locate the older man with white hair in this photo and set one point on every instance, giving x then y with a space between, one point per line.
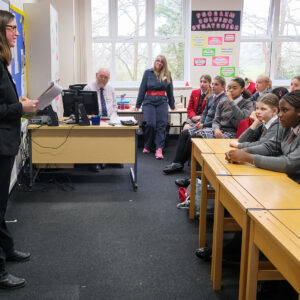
106 94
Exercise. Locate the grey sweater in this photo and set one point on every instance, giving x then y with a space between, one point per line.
229 114
250 137
210 110
279 154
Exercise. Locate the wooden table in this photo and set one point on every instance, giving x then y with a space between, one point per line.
66 145
140 117
202 146
236 195
276 234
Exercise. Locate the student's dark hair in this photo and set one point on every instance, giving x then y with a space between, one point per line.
280 92
221 80
293 98
206 77
246 94
5 54
270 99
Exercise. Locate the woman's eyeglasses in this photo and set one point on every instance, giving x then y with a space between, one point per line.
12 27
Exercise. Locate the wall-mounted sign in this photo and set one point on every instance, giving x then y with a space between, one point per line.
199 62
208 52
220 61
215 40
226 50
198 41
227 71
229 37
218 20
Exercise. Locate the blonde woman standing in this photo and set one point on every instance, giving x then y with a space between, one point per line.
156 94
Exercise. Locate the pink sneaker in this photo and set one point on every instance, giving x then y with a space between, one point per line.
158 153
145 150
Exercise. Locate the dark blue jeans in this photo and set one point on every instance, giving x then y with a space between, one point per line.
156 117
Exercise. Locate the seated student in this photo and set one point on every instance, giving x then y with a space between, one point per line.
265 123
197 102
184 145
230 111
245 124
263 86
282 152
106 94
295 83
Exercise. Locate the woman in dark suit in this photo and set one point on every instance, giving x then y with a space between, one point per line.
10 132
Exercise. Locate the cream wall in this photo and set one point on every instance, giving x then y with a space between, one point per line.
74 57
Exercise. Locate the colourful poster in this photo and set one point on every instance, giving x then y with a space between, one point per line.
218 20
227 50
215 40
198 41
229 37
199 62
227 71
208 52
220 61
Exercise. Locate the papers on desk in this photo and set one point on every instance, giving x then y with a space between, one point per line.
117 120
48 95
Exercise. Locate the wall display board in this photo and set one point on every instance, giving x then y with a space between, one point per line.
18 64
215 42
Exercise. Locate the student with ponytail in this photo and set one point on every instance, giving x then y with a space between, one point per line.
282 152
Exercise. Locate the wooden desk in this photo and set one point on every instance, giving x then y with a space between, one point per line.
279 244
73 144
140 117
232 196
272 192
219 145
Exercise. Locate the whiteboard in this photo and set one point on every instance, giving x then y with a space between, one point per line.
4 4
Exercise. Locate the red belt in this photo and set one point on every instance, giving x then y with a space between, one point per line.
156 93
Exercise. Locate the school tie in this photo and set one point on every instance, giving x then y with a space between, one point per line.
103 103
292 136
199 110
264 131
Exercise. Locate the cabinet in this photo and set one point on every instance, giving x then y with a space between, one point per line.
41 23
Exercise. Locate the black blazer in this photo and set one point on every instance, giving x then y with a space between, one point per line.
10 114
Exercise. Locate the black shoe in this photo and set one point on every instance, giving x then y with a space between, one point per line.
8 281
173 168
18 256
204 253
183 182
95 168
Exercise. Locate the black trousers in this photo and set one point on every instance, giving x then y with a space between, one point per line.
184 147
6 240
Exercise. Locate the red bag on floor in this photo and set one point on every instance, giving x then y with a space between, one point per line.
183 194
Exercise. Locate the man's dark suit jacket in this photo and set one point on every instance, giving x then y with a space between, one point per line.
10 114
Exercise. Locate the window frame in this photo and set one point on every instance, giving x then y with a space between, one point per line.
274 38
149 39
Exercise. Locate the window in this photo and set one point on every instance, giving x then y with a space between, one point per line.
127 35
270 40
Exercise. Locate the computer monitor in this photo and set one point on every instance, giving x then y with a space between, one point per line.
80 104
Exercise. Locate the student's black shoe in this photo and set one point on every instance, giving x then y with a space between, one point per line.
8 281
183 182
18 256
204 253
173 168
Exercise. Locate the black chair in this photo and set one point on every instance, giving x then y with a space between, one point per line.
78 86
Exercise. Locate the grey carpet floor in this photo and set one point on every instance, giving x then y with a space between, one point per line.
92 237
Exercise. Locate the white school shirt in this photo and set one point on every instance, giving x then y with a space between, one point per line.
109 96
